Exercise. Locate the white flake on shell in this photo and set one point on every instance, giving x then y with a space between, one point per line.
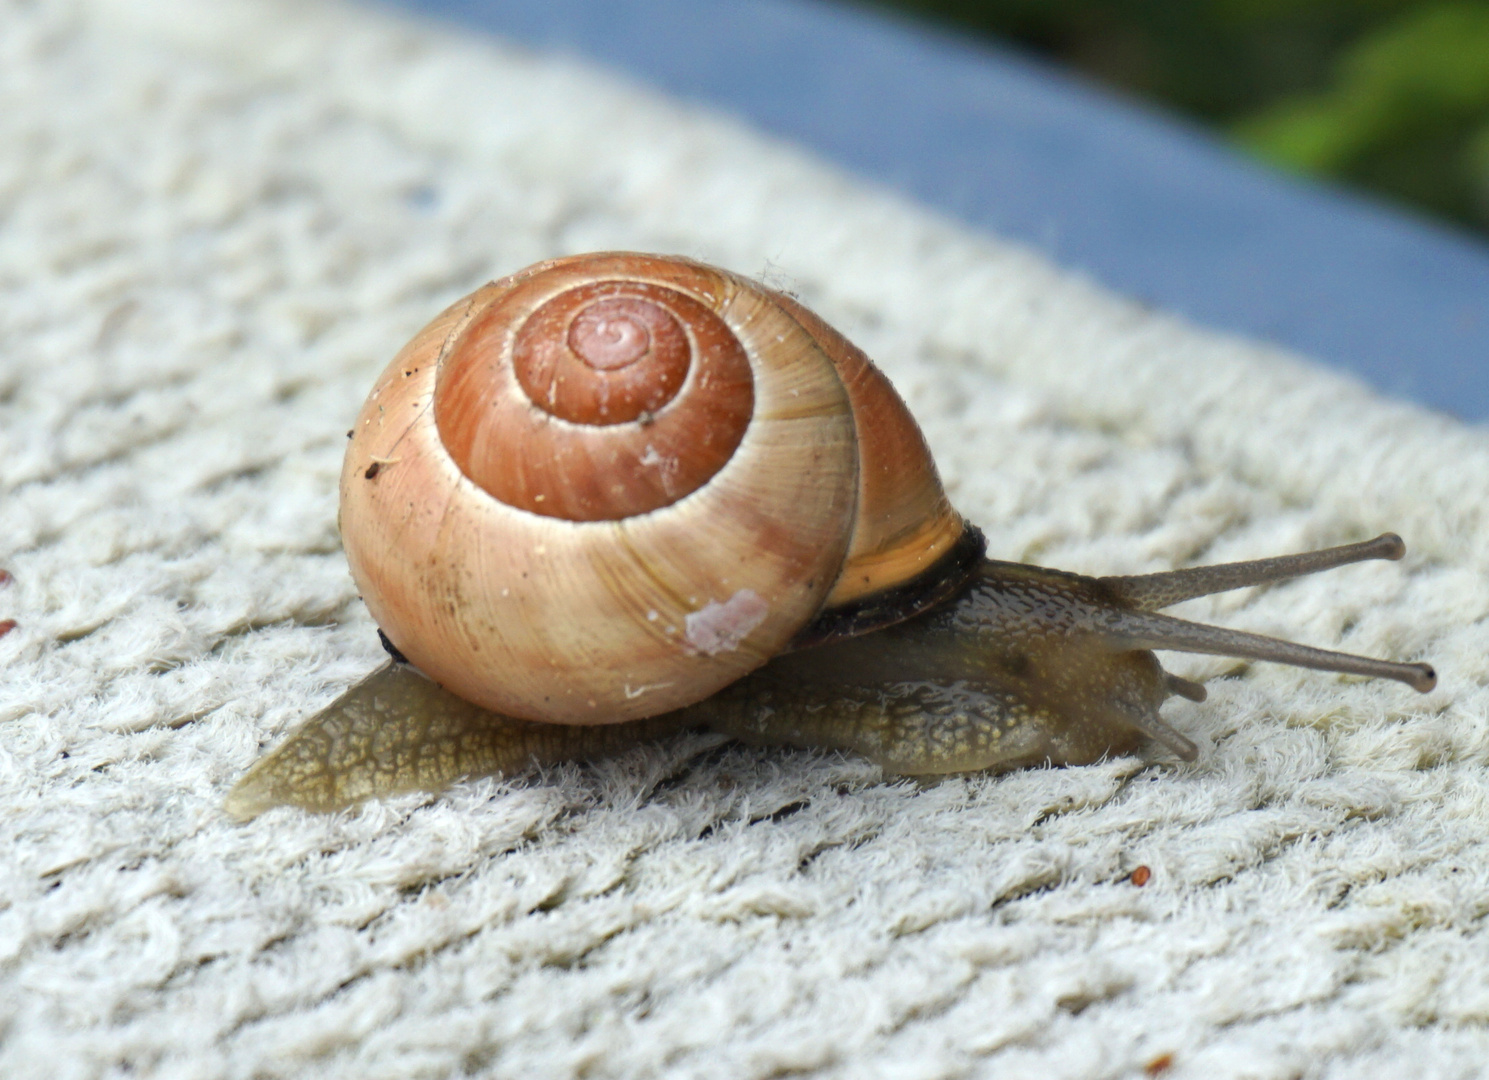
720 627
666 466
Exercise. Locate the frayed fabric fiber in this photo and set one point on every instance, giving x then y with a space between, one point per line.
221 220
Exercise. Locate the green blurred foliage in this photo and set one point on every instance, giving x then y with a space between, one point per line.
1391 95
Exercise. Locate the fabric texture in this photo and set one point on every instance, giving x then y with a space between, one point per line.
219 223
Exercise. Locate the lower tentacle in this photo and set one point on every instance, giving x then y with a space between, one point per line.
1160 731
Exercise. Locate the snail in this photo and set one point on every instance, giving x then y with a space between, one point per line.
616 495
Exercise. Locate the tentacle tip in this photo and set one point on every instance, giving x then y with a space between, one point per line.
1425 681
1157 729
1185 688
1182 747
1390 546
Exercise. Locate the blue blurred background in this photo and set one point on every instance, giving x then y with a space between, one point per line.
1231 160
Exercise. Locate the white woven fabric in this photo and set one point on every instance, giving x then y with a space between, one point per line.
219 220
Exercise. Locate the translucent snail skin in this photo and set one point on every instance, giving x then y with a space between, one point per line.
617 495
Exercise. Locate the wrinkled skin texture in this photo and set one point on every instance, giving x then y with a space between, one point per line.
1013 672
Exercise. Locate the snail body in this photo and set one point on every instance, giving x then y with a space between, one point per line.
616 495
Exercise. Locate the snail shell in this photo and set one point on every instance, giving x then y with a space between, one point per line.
609 485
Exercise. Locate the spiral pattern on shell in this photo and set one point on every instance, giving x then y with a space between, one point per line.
607 400
609 485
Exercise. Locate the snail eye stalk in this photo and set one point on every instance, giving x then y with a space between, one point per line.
1143 628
